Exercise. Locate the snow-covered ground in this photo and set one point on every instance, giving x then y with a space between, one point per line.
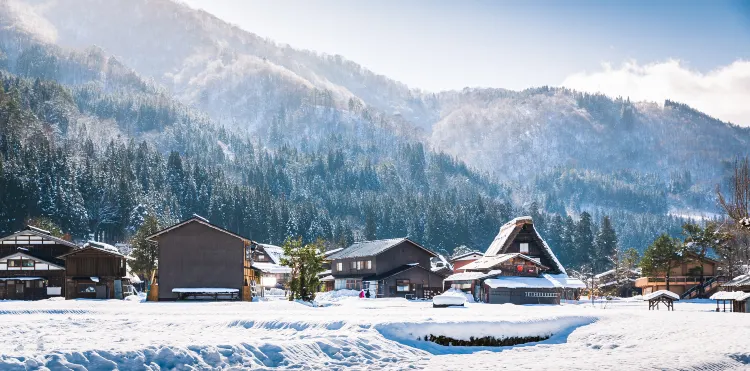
353 333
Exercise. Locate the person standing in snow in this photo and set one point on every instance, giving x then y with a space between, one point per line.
361 294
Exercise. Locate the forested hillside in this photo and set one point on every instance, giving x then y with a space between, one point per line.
113 109
98 153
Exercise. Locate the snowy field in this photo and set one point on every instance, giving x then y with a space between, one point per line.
353 333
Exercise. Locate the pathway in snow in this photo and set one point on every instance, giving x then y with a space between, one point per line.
365 334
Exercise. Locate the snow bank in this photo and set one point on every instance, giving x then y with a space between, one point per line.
412 334
335 296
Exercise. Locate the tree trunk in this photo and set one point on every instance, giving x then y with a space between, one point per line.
667 279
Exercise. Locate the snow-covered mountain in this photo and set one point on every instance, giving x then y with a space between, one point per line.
561 149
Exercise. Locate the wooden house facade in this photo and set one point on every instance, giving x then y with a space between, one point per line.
96 271
386 268
685 280
30 267
458 262
197 257
517 268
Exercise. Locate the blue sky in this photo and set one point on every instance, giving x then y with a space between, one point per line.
438 45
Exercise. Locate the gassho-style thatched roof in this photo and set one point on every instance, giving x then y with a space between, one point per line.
508 233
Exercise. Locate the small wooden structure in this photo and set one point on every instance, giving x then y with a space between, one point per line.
662 296
737 300
96 271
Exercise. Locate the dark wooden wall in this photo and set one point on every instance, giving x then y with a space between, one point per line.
195 255
402 254
94 263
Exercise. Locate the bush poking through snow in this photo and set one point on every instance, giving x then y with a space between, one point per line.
487 341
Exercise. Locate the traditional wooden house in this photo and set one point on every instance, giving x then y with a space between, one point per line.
95 271
199 259
29 265
518 268
386 268
459 261
274 277
685 280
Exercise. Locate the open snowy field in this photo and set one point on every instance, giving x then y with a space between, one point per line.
357 333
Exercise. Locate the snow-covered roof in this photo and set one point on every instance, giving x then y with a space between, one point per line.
471 255
103 246
271 268
659 293
731 295
465 276
212 290
94 245
325 273
34 236
371 248
327 278
507 233
436 266
743 280
489 262
636 271
565 281
328 253
276 253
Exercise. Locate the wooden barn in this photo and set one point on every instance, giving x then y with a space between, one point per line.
386 268
198 259
29 265
517 268
95 271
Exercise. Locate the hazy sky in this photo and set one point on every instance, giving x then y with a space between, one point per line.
614 47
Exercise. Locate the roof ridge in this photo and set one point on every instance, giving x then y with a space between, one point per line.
378 240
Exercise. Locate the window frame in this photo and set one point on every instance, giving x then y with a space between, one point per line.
339 266
403 285
369 264
521 247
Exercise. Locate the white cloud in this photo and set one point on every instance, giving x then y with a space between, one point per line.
723 93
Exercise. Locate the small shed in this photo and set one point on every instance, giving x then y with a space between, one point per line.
661 296
96 271
738 301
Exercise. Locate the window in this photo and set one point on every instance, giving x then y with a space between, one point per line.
369 264
360 264
354 265
402 285
339 266
354 284
524 248
19 289
14 263
261 257
85 288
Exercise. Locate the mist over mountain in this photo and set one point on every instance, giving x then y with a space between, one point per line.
200 116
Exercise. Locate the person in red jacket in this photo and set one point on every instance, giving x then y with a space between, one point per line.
362 294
